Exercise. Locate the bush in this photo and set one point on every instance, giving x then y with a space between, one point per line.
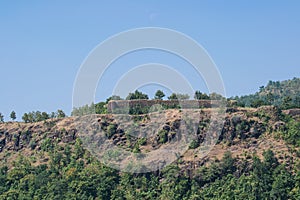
163 136
194 144
47 145
111 130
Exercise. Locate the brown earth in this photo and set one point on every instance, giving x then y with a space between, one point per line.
246 132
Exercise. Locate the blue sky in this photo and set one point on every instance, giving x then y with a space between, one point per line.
43 43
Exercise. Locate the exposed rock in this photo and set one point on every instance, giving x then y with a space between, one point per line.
292 112
279 125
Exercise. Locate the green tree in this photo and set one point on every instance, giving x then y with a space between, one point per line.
227 164
38 116
270 98
215 96
100 108
174 186
270 161
13 115
1 118
159 95
137 95
292 135
199 95
31 117
60 114
175 96
261 88
282 184
257 103
25 118
52 115
287 102
45 116
113 97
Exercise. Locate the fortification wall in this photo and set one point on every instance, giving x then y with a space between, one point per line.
184 104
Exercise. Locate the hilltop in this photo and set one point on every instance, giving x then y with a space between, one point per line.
285 94
245 131
255 156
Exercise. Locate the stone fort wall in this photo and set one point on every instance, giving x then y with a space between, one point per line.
184 104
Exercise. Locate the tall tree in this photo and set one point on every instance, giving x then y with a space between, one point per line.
199 95
137 95
159 95
113 97
25 118
173 96
60 114
1 118
13 115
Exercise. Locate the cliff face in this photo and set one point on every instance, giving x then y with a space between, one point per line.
245 132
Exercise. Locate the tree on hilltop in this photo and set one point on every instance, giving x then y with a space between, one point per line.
159 95
175 96
199 95
13 115
1 118
137 95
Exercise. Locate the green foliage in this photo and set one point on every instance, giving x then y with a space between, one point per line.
32 144
1 117
175 96
69 176
114 97
111 130
142 141
284 94
200 96
138 109
283 183
47 145
37 116
137 95
159 95
292 134
257 103
215 96
194 144
162 136
72 173
98 108
60 114
13 115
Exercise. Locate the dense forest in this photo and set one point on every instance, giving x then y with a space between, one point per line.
73 174
42 157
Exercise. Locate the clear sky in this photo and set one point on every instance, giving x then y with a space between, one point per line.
43 43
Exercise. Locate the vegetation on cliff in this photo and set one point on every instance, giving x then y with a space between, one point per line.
257 155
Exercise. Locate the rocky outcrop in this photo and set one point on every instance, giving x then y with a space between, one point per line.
293 112
16 136
242 128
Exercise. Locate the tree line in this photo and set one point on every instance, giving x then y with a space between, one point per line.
73 174
35 116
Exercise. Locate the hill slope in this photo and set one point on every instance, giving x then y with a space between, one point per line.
47 160
285 94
